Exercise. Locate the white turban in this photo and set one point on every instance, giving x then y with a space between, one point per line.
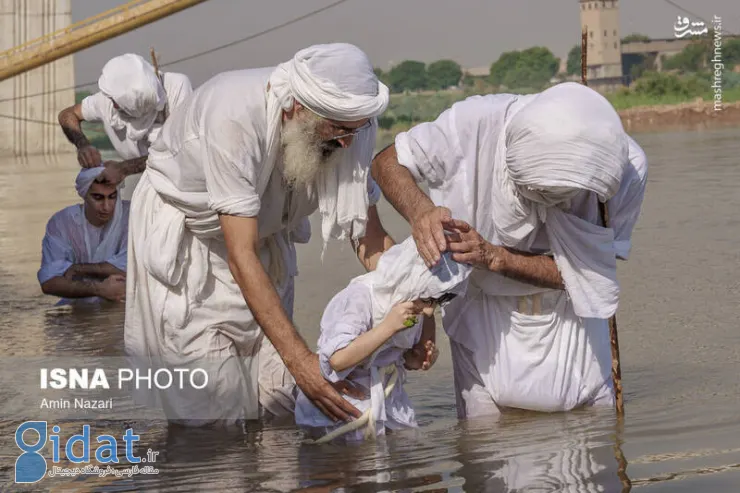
565 140
401 275
85 179
132 83
337 82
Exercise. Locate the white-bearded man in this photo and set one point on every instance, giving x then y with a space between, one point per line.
230 182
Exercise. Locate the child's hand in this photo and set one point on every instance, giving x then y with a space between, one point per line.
399 314
421 356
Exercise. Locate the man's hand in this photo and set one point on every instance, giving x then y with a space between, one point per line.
469 247
421 357
112 173
113 288
427 229
323 394
88 156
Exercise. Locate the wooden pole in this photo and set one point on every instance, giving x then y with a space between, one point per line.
154 60
604 213
89 32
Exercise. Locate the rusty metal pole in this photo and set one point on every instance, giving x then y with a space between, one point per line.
604 212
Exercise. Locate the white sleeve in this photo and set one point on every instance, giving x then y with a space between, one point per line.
57 254
433 151
232 160
95 107
346 317
626 205
178 88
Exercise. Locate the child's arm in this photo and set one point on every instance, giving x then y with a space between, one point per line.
368 342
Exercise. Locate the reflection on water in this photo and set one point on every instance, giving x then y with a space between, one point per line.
679 358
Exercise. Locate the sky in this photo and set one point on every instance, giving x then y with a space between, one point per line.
472 32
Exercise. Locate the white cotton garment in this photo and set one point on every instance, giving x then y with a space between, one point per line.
134 86
401 275
215 156
559 358
71 239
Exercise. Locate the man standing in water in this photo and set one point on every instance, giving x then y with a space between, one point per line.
133 103
236 169
522 177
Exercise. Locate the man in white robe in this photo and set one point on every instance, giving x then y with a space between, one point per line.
85 246
235 173
133 103
522 177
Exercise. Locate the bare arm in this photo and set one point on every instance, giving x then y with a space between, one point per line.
538 270
401 190
241 236
112 288
470 247
102 269
69 119
70 288
117 171
399 186
362 347
376 241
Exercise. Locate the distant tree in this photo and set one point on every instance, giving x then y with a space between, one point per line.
635 37
443 74
693 58
573 66
531 68
731 52
409 75
506 62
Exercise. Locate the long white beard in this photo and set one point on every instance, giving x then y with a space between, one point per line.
305 156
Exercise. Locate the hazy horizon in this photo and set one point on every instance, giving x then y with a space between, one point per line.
472 32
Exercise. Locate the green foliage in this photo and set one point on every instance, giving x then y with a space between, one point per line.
574 61
409 75
635 37
691 59
533 67
443 74
79 96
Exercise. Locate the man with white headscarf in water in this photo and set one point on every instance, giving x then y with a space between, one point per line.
133 103
85 246
236 170
515 180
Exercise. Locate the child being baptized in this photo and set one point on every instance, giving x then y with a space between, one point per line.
375 328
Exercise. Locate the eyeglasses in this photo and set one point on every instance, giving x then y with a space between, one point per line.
350 132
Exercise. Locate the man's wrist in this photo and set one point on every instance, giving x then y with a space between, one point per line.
498 259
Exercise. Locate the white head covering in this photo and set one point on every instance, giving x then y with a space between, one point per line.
85 179
401 275
132 83
565 140
337 82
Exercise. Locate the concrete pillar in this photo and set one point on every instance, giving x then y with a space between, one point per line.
22 21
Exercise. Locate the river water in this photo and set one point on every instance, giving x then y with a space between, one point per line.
678 334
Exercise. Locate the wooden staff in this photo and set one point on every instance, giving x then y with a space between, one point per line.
604 213
154 60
